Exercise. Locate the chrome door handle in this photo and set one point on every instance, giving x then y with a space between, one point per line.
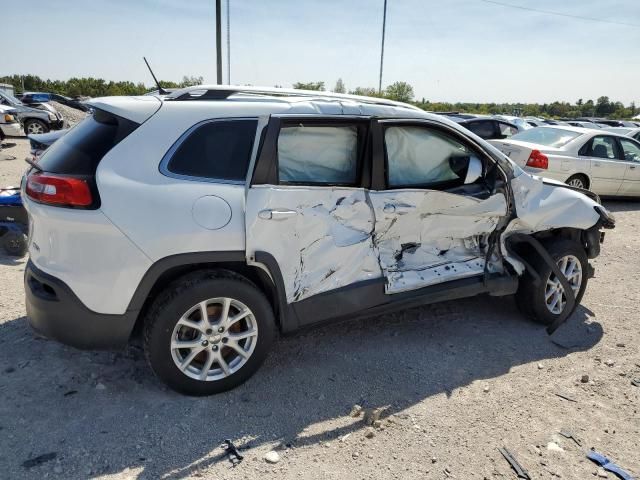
276 214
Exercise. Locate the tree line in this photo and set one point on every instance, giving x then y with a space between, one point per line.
399 91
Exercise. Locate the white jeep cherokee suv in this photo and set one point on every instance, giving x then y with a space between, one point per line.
214 217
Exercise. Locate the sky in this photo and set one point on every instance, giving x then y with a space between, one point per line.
448 50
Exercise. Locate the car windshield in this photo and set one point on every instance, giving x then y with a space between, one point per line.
11 98
549 137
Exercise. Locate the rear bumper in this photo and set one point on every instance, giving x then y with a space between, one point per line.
56 312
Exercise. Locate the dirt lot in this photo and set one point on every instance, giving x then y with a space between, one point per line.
458 380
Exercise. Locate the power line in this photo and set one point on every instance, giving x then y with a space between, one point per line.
559 14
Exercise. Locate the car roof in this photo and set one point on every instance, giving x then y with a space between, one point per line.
226 101
583 130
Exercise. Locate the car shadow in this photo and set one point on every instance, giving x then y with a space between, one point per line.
622 205
104 412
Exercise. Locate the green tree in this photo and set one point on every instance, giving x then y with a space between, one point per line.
339 88
364 91
309 86
400 91
190 81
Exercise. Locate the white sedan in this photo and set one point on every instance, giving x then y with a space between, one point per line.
606 163
627 131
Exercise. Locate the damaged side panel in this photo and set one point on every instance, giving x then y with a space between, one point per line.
428 237
320 236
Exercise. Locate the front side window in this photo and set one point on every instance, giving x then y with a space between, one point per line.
603 147
318 154
426 158
631 150
218 150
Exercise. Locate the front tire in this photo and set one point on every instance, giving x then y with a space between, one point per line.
35 126
544 303
208 332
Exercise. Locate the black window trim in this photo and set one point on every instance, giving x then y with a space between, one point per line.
164 163
380 180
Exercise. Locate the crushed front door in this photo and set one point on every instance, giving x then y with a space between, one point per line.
430 227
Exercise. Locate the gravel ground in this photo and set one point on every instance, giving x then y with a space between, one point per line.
456 380
70 115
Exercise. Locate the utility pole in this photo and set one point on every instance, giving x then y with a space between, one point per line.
384 24
228 44
219 41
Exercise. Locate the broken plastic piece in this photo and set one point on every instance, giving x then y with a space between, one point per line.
569 435
608 465
520 471
232 452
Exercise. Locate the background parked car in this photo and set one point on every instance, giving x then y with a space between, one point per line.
9 124
628 131
606 163
39 142
583 124
36 118
488 128
30 98
520 122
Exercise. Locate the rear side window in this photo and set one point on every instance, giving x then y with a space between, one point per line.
80 150
318 154
484 128
549 137
218 150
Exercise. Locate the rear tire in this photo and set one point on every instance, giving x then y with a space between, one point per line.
535 301
197 349
578 181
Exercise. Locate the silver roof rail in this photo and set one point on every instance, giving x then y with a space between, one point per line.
222 92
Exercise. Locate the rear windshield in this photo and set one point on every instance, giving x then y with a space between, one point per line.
549 137
79 151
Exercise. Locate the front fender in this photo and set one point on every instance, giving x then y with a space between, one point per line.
542 206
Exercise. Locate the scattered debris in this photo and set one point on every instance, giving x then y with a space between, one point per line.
485 389
70 392
9 370
565 396
554 447
356 410
620 345
370 433
39 460
232 452
609 363
608 465
540 366
521 472
569 435
272 457
635 382
100 386
343 438
372 415
584 378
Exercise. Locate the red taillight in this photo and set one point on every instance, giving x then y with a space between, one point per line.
538 159
59 190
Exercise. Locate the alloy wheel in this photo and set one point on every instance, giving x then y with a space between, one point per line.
554 294
576 182
34 128
214 339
